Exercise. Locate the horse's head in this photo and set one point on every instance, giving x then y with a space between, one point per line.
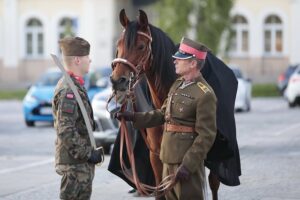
133 51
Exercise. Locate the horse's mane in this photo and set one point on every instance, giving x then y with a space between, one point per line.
163 48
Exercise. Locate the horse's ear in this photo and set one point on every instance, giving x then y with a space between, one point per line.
143 20
123 18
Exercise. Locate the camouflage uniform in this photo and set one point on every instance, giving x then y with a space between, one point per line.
73 147
191 106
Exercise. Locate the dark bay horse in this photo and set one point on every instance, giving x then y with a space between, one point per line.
145 49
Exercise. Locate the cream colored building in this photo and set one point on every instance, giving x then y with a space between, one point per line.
30 29
266 37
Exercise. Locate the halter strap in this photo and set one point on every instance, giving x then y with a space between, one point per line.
141 65
126 62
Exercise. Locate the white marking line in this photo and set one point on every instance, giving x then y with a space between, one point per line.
287 129
31 165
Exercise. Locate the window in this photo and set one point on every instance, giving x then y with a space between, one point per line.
34 38
273 35
240 36
67 27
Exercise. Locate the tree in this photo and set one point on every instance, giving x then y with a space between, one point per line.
209 19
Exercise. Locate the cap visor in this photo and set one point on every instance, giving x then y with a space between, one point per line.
179 55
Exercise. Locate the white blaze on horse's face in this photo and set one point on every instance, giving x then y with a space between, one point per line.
133 51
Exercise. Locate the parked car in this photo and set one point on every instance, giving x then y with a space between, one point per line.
107 127
292 92
283 78
37 104
243 96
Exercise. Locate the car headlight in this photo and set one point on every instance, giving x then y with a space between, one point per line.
30 99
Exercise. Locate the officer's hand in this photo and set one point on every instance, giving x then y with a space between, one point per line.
182 174
126 115
95 157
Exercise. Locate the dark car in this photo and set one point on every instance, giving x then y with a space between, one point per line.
284 78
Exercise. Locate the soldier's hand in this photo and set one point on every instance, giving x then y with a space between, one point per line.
182 174
128 116
95 157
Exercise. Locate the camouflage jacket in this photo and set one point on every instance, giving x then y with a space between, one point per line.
72 144
193 105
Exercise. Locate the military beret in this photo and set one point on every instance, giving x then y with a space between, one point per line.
189 48
74 46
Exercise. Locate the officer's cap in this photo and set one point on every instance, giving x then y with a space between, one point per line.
74 46
189 49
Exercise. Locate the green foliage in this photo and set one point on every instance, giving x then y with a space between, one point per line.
265 90
211 19
12 94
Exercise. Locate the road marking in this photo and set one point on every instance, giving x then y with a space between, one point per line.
287 129
31 165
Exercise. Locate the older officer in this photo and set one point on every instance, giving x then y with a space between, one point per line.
75 158
189 117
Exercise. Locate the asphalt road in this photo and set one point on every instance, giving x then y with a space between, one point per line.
268 136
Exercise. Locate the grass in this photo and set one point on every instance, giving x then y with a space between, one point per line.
258 90
12 94
265 90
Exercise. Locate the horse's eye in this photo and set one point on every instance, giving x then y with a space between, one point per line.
141 47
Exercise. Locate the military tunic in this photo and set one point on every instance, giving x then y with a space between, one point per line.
73 147
193 105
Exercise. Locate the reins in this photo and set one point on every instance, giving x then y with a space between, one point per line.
131 174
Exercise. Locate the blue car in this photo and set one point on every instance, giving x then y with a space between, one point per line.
37 104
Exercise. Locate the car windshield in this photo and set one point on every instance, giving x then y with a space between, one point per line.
237 73
49 79
95 75
290 70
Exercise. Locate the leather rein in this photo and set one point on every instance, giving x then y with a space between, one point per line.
131 174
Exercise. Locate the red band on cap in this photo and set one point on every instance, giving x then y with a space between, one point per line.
187 49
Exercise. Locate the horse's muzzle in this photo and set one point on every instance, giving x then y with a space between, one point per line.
121 84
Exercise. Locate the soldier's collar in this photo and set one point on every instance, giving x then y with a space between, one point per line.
78 78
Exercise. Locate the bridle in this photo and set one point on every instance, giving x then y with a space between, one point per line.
144 62
137 70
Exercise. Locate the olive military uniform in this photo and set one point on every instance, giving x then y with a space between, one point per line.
190 107
73 147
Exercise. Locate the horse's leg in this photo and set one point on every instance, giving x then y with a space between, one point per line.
214 184
154 136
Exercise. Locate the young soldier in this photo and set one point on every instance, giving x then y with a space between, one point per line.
75 158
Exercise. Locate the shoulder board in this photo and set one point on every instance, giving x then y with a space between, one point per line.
203 87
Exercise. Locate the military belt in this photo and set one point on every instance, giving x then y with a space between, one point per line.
179 128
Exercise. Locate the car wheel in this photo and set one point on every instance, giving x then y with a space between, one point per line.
292 104
248 106
106 149
29 123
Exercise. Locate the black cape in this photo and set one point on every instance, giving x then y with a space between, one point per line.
223 159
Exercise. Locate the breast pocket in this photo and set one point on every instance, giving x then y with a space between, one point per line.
183 107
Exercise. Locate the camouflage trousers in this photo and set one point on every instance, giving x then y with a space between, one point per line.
76 181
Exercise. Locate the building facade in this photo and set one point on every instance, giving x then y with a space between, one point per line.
30 30
265 37
265 34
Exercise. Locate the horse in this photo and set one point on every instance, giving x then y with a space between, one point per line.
145 49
